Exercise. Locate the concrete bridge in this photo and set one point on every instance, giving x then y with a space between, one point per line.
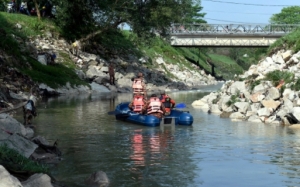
233 35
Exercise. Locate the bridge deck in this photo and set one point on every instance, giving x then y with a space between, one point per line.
227 35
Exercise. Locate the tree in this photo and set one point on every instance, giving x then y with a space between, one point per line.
75 17
145 17
288 15
37 5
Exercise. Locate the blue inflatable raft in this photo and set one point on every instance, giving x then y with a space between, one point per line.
122 112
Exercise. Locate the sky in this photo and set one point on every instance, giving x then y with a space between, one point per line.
243 11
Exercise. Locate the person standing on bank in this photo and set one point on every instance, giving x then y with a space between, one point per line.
111 72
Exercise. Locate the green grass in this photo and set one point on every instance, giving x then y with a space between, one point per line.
289 41
222 58
54 76
14 161
225 66
31 26
296 85
277 75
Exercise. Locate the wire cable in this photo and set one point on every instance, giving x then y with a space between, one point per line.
235 21
229 2
238 12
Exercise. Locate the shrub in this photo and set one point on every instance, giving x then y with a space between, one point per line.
277 75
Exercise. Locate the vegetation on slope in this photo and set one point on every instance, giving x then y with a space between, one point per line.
13 39
289 41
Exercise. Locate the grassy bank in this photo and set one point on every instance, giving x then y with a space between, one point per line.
289 41
13 39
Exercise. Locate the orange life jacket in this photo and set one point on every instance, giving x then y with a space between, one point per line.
137 86
154 106
138 103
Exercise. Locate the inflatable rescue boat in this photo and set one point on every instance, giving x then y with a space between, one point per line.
122 112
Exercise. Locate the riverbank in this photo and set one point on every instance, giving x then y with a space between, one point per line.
267 93
23 154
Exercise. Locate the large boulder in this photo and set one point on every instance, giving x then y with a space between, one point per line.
22 145
10 124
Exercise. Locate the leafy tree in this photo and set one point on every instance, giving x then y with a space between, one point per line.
88 18
75 17
288 15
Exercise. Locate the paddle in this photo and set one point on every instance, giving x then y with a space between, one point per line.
114 113
180 105
111 113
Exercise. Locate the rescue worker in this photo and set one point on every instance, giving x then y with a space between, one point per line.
167 101
139 84
137 103
155 107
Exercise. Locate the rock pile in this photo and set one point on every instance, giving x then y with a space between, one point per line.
94 67
265 102
20 138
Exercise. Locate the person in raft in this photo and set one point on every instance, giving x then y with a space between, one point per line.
154 107
167 101
138 103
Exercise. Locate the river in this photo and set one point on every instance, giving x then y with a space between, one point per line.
212 152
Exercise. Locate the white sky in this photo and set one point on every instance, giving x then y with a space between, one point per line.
236 11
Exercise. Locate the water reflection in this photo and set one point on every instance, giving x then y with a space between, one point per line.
155 161
138 151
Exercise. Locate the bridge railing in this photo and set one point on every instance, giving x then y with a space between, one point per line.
233 28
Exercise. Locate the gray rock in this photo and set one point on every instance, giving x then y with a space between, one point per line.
12 125
38 180
215 109
7 180
98 179
237 115
254 118
273 94
242 107
263 112
296 112
23 146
